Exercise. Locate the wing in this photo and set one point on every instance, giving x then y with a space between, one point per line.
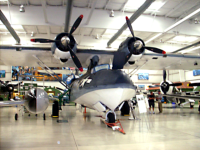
10 103
196 98
9 56
149 61
152 61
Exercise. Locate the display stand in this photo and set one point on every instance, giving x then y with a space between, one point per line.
132 111
142 111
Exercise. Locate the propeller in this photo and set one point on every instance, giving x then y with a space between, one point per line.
41 40
67 46
165 85
139 46
193 84
164 75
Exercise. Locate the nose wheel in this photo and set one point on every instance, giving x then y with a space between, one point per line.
111 122
110 117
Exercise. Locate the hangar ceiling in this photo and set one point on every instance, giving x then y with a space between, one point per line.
46 18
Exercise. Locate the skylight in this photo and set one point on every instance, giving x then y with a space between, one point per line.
135 4
110 31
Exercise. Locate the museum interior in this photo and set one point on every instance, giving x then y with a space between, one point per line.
99 74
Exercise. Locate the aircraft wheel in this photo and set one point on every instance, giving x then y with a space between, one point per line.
29 115
125 109
44 116
35 115
16 116
110 118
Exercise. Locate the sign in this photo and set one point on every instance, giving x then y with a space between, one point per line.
196 72
143 76
141 103
141 87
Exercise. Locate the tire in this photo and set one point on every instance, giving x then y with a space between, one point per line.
16 116
111 118
125 109
44 116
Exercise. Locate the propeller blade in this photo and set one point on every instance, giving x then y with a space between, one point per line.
155 50
153 86
76 24
193 84
75 59
164 75
130 27
175 84
42 40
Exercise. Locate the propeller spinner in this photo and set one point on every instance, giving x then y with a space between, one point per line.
65 42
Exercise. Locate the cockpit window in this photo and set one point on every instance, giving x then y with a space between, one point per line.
101 67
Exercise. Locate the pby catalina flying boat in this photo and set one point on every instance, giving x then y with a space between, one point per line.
101 88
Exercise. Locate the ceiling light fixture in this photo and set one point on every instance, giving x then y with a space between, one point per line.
21 8
112 13
32 34
174 25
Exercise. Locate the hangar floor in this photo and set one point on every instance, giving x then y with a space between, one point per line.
172 130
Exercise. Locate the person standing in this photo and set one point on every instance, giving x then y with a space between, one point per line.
159 98
151 102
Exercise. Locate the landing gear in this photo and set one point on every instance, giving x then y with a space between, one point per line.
125 109
111 122
111 117
16 116
35 115
44 117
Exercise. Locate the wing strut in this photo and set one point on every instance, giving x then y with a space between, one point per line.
50 72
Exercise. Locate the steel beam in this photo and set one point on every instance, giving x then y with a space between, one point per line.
186 47
177 7
8 26
68 15
91 11
123 5
105 7
132 19
44 10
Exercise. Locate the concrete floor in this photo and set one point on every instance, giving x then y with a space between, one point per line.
172 130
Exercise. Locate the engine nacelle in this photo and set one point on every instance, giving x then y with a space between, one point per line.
164 86
130 43
60 49
36 100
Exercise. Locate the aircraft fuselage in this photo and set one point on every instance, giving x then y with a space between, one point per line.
105 89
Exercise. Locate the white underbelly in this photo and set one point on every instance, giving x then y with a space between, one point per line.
109 97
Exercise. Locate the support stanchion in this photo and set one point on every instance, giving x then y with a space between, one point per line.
84 111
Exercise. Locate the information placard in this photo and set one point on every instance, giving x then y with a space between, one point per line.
141 103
